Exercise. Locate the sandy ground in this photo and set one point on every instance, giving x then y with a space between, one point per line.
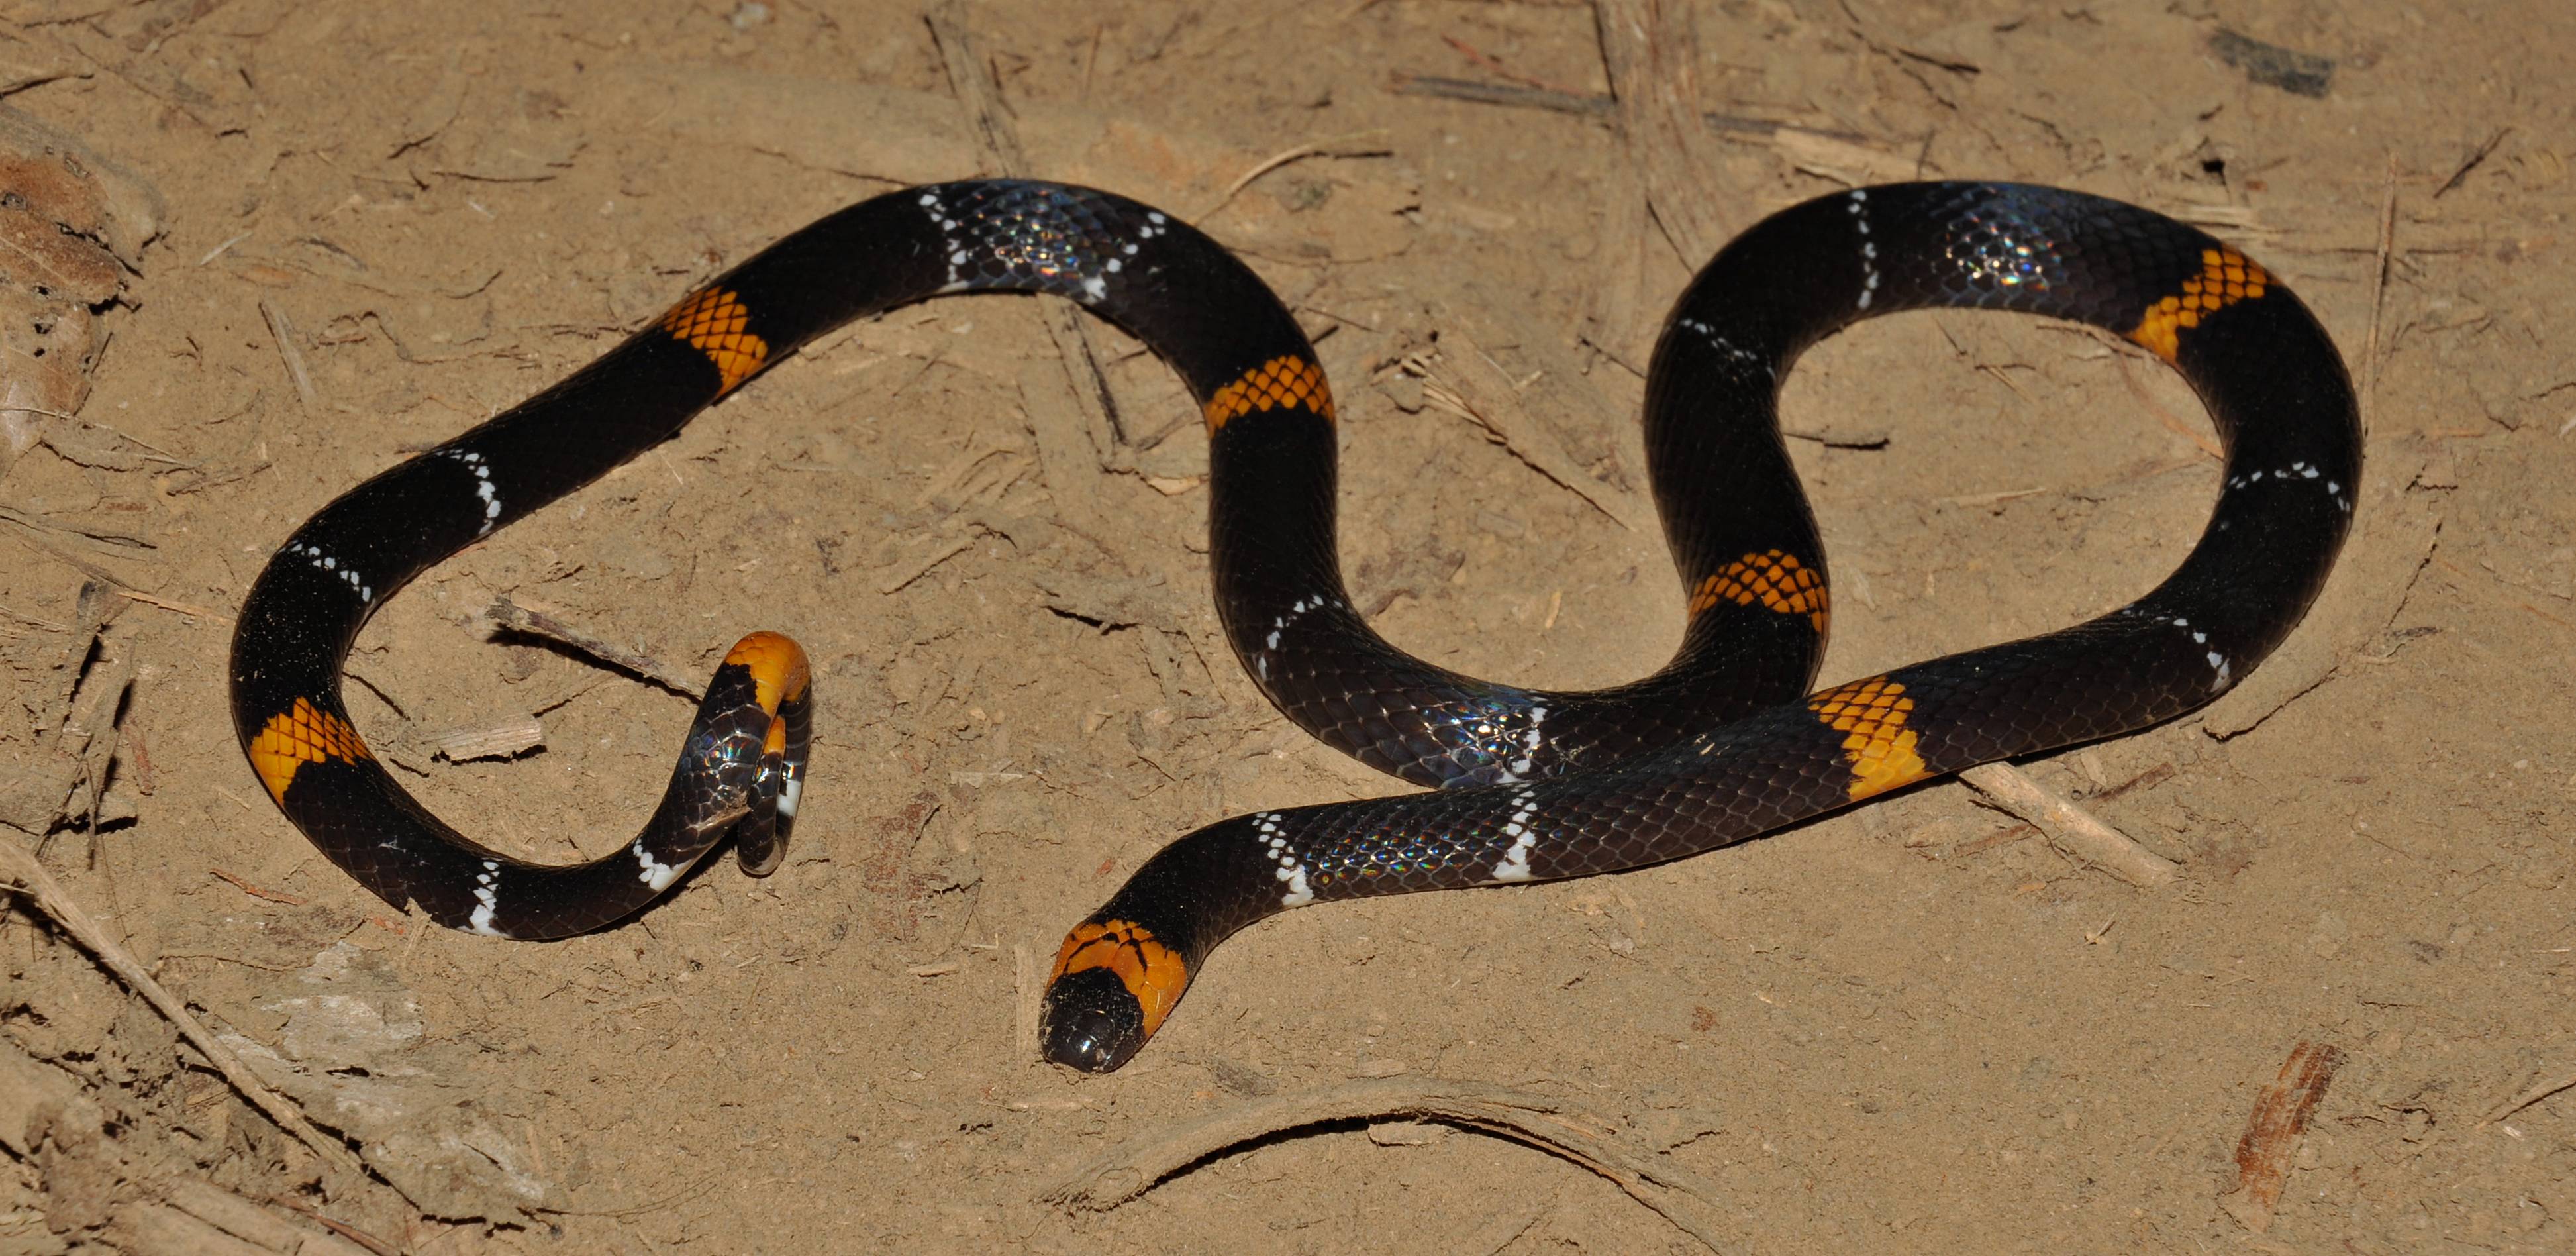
1917 1027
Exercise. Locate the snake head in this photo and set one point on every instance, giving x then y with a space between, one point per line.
1113 984
1090 1022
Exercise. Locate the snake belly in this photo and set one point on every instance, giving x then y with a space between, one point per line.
2276 391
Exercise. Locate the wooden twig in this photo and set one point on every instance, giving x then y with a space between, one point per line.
343 1229
1840 438
109 541
221 249
255 891
508 614
2172 422
1466 382
1533 1120
172 604
2378 298
2053 813
282 330
235 1218
2535 1094
903 575
2153 776
1585 104
1478 55
27 535
21 874
1356 144
2475 160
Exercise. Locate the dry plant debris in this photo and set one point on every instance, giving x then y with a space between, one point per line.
385 225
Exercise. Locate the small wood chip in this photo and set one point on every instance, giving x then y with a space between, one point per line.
2272 1132
511 735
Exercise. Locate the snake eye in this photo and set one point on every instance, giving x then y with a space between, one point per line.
1091 1022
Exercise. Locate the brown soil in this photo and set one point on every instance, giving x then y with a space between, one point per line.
1914 1027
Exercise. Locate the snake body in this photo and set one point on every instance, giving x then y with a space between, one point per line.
1723 744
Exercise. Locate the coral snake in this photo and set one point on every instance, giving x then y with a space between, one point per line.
1723 744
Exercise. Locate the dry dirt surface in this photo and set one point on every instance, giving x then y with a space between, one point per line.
258 250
